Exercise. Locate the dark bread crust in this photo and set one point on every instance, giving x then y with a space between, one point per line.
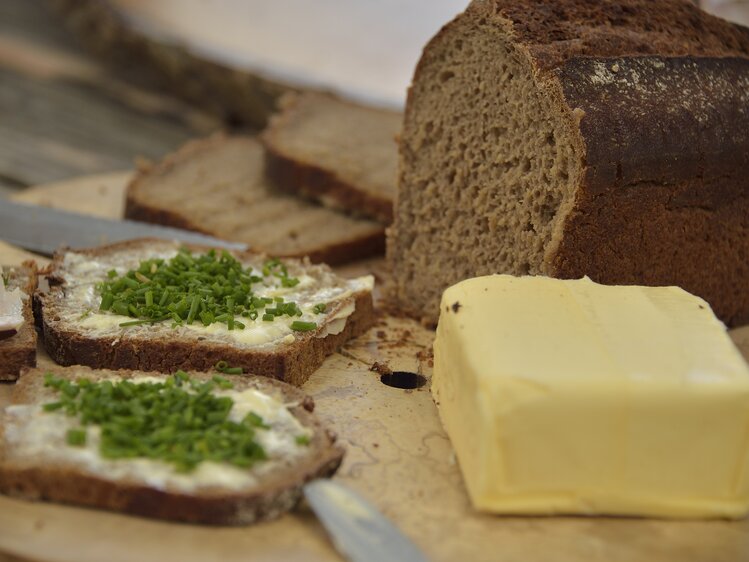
19 350
314 181
654 100
664 198
277 493
293 363
136 208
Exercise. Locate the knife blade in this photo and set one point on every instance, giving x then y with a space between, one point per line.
358 530
44 230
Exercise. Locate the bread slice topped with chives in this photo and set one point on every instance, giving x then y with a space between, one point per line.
17 331
161 306
192 447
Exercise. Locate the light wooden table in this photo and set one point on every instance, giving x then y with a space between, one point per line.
398 456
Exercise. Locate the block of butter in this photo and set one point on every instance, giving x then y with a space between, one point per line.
573 397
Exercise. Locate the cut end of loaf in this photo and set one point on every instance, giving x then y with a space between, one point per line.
487 167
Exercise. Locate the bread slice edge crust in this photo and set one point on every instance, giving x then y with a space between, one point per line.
313 181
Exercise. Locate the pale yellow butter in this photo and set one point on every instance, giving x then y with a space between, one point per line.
573 397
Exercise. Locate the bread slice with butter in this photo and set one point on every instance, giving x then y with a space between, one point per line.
17 331
322 311
40 461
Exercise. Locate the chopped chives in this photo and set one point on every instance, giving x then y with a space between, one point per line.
223 366
106 301
76 437
131 283
300 326
212 287
222 382
193 309
180 421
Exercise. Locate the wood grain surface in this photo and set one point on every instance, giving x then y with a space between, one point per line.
397 456
64 114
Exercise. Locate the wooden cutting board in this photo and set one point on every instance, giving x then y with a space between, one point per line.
398 456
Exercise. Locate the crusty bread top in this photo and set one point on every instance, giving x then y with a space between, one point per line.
555 31
34 438
351 147
217 186
74 301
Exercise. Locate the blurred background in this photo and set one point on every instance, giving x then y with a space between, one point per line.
88 86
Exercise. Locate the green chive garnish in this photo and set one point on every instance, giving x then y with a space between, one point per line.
76 437
299 326
180 421
212 287
223 367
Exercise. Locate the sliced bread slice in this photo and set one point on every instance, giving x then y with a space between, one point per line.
262 339
38 461
18 344
336 152
217 186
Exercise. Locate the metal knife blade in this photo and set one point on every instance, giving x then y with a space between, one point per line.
358 530
44 230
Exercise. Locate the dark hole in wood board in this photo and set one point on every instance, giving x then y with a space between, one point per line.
403 379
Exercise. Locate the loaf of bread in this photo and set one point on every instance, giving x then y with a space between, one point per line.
569 138
342 154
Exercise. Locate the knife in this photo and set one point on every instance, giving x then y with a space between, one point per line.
358 530
44 230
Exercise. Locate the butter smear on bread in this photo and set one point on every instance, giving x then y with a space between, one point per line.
11 307
212 293
176 432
